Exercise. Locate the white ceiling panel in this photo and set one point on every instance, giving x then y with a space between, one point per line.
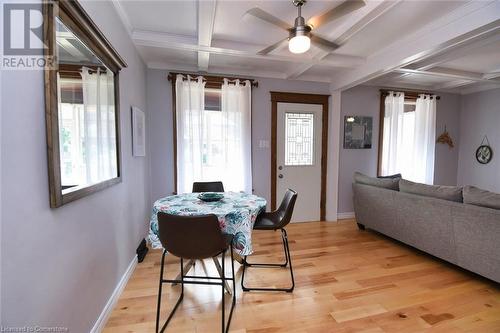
403 19
482 60
166 35
176 17
161 55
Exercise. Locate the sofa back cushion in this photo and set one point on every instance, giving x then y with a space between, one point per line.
451 193
479 197
388 183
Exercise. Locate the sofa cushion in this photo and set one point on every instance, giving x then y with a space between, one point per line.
397 175
388 183
450 193
479 197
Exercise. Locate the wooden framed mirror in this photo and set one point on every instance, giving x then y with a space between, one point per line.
81 104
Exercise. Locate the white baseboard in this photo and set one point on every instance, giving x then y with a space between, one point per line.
342 216
108 308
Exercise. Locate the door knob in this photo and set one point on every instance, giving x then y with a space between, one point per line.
280 176
280 168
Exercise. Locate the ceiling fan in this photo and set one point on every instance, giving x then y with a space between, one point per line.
300 35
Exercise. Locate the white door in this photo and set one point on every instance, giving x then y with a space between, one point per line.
298 157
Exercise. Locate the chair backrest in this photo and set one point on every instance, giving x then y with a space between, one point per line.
285 210
191 237
208 187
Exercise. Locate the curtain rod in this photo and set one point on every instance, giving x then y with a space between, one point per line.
411 93
212 78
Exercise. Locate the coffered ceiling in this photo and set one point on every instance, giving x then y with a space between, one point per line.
382 43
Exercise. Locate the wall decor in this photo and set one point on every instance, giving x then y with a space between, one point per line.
484 153
358 132
445 138
138 132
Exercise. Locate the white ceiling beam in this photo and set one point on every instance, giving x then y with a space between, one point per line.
446 74
453 84
469 21
186 43
206 21
362 23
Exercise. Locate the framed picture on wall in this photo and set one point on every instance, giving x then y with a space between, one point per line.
358 132
138 132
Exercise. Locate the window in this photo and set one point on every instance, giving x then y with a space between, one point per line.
213 139
299 137
407 136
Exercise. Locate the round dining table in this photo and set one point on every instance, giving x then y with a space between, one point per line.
236 212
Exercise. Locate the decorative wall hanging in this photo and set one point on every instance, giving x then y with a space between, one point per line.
445 138
138 132
358 132
484 153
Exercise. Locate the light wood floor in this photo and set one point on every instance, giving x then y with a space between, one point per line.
346 281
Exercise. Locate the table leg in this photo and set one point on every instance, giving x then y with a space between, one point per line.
219 269
187 267
238 258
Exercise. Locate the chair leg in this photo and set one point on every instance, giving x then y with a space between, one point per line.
270 265
159 295
222 283
225 327
288 260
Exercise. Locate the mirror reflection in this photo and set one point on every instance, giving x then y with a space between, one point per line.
87 123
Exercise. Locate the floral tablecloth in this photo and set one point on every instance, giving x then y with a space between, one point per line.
236 212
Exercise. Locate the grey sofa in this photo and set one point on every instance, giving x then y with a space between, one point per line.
462 234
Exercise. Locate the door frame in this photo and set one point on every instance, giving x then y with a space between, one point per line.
299 98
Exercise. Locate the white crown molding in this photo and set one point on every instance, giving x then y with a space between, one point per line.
122 14
113 299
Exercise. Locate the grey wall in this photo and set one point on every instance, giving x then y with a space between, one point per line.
480 116
365 101
60 266
159 92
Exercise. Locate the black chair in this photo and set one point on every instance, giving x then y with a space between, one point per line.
208 187
194 237
274 221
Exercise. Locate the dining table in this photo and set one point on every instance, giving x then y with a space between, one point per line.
236 212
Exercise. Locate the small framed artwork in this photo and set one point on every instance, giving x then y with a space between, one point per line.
138 132
358 132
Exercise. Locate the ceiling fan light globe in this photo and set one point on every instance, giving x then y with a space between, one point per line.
299 44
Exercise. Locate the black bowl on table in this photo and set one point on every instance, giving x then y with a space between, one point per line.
210 196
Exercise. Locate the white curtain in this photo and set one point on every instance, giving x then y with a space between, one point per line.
98 120
190 104
409 138
236 136
425 139
393 133
213 145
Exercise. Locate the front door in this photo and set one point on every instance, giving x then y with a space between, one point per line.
298 160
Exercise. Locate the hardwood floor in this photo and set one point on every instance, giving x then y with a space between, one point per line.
346 281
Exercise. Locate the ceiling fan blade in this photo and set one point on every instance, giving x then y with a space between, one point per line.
265 16
273 47
343 9
323 43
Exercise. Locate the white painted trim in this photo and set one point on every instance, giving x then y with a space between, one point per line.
332 182
113 299
342 216
122 14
